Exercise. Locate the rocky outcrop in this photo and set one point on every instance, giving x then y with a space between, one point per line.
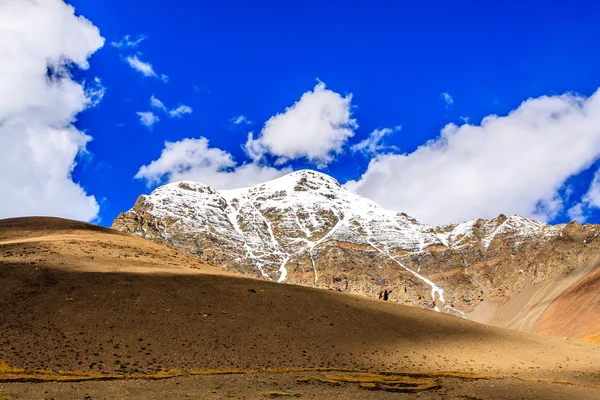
306 229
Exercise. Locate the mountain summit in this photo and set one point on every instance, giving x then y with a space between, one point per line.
305 228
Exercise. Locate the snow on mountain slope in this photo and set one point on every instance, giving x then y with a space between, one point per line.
306 228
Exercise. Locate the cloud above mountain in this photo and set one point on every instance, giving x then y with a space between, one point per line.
195 160
589 201
512 164
506 164
374 143
41 42
315 128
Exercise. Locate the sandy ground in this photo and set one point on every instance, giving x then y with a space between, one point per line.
82 302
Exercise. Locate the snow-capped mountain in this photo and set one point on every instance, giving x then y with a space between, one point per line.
305 228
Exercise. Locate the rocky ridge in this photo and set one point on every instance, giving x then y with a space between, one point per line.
305 228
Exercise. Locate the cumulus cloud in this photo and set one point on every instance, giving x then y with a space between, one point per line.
128 42
374 143
40 42
195 160
144 68
241 119
316 127
447 99
148 118
507 164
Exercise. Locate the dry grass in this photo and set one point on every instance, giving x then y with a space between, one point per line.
453 374
14 374
375 381
369 380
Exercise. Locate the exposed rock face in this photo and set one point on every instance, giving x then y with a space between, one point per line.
306 229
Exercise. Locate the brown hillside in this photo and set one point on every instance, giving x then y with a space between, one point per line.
82 302
575 312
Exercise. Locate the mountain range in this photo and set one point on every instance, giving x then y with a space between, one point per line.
307 229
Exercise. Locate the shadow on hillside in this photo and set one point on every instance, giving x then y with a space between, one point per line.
52 318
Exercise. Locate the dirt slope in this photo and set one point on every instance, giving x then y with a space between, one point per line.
82 302
575 312
525 310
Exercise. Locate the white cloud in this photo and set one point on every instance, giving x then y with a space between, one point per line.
148 118
241 119
180 111
156 103
373 144
577 213
144 68
95 92
592 197
447 99
510 164
128 42
177 112
316 127
195 160
590 200
40 41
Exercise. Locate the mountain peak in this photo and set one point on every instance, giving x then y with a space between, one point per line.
311 174
306 179
182 187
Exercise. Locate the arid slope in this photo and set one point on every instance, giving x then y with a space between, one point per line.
575 312
563 306
87 302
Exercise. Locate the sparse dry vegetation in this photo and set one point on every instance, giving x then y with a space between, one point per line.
141 320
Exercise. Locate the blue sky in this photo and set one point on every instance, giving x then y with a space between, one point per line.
417 66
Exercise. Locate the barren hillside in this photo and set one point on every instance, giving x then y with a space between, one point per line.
82 303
